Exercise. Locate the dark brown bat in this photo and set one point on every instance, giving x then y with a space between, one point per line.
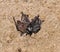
26 26
22 24
35 25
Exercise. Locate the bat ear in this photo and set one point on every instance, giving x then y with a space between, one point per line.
18 22
22 13
27 15
37 16
36 19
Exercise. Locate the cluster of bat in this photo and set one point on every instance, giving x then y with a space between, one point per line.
28 26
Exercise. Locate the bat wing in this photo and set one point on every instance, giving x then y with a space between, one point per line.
16 24
21 26
36 22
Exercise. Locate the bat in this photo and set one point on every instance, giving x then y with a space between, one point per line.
26 26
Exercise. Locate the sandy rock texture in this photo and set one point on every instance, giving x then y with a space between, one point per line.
46 40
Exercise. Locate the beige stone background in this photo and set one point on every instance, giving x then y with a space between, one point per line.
46 40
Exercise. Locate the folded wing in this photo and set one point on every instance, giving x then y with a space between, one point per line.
36 24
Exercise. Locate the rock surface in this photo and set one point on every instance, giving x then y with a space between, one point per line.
46 40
